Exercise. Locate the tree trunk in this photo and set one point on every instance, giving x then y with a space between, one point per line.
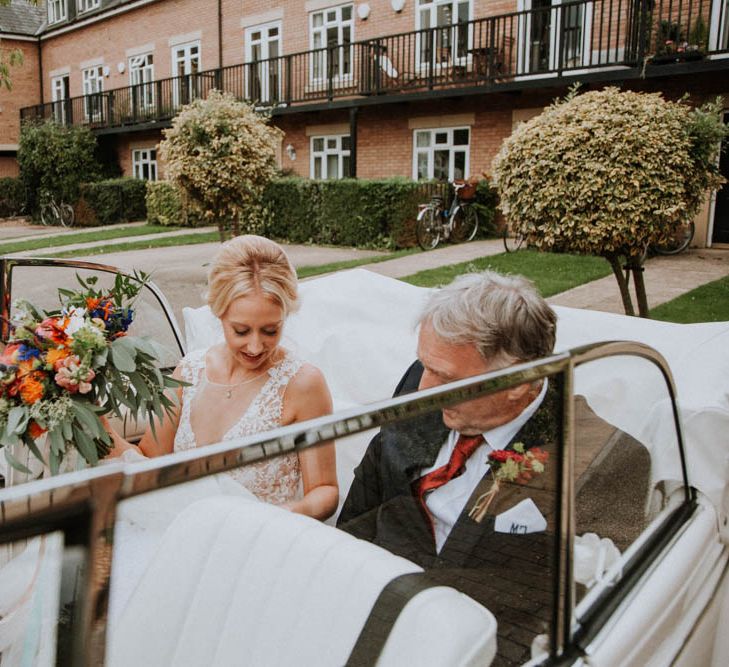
639 286
622 284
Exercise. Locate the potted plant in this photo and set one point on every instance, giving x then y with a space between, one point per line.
672 46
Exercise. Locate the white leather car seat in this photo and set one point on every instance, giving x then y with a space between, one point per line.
240 582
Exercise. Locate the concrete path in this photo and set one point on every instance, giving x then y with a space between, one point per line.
17 229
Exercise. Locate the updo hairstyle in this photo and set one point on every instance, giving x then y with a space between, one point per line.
249 264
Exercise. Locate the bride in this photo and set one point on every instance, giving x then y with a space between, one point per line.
249 383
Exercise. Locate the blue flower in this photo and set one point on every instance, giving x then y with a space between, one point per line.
26 352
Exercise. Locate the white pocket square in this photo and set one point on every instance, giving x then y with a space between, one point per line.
521 519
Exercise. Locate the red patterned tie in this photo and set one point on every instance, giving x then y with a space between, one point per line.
465 446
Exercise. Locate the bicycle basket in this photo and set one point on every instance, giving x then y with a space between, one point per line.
468 190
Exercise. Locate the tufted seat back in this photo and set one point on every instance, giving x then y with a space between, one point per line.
239 582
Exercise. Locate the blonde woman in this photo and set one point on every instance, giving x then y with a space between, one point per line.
250 383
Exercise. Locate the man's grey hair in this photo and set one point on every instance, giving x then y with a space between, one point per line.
504 316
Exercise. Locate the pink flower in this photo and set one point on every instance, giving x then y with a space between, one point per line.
72 377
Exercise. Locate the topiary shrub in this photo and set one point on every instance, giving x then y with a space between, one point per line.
608 172
165 206
12 196
221 154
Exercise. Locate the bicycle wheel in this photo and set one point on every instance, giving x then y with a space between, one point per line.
513 239
679 241
66 214
48 214
465 224
427 228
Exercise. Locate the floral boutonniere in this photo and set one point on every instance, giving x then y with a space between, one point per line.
509 465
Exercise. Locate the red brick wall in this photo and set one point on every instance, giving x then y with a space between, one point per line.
25 91
8 166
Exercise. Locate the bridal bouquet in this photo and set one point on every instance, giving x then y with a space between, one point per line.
61 371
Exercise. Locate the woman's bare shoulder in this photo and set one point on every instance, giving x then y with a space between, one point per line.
307 394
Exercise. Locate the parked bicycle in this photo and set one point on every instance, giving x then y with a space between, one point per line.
55 213
512 237
678 242
459 223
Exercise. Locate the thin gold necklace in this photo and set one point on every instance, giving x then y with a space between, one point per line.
230 387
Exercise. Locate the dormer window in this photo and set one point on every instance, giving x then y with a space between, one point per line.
57 11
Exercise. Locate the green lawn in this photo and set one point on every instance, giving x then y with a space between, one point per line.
551 272
82 237
165 242
708 303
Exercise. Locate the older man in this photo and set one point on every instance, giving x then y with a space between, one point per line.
413 489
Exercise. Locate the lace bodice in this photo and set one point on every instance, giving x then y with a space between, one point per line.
276 480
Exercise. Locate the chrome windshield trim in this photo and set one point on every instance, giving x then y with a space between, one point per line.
8 263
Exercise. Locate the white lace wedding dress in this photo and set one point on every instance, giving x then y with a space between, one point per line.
142 521
276 480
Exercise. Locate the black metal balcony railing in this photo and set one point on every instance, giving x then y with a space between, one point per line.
547 42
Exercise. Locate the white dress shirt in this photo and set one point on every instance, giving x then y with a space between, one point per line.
446 503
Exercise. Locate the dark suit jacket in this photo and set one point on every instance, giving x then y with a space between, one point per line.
508 573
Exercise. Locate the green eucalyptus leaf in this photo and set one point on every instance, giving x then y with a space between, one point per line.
17 420
121 358
85 446
88 418
15 463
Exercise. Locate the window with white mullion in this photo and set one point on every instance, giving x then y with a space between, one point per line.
141 78
330 157
447 36
88 5
441 154
331 35
59 95
263 63
57 11
93 84
144 163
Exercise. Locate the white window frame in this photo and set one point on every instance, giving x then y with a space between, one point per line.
57 11
719 30
190 73
426 17
448 145
93 83
319 57
87 5
59 91
144 160
267 73
524 61
328 151
141 77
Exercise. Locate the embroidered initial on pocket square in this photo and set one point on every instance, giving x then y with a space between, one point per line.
521 519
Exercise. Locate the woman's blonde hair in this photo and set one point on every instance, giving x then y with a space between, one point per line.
248 264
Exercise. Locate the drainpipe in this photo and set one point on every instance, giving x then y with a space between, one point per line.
40 69
353 142
220 34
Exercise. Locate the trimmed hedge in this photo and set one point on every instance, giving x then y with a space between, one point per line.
351 212
356 212
12 196
112 201
165 206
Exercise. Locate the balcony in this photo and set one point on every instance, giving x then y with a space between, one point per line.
542 46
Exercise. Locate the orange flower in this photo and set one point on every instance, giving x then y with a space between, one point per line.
92 304
56 356
52 329
35 431
31 390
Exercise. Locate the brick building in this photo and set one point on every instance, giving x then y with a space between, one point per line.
413 88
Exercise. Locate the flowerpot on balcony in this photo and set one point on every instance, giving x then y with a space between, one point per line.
677 57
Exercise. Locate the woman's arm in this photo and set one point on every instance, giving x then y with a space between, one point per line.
152 444
307 397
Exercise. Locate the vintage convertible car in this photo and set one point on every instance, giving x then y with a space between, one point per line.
619 556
